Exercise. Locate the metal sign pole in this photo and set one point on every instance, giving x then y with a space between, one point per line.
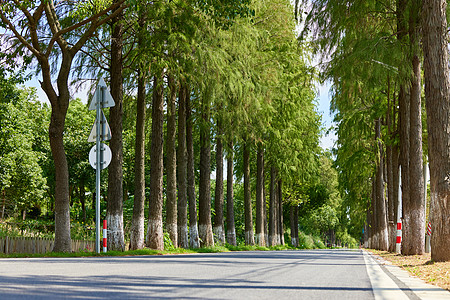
97 172
100 155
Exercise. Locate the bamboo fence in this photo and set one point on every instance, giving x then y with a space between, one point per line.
33 245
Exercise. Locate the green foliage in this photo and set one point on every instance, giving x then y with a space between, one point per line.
29 228
22 180
168 245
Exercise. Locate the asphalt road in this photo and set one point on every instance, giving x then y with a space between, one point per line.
318 274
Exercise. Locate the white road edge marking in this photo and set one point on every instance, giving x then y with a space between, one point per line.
424 291
382 285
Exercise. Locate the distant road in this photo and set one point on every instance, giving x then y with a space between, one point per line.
318 274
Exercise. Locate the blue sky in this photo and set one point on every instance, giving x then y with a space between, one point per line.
326 141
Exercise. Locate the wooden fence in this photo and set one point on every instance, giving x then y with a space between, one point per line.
32 245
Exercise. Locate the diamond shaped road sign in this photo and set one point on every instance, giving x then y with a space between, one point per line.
105 131
104 96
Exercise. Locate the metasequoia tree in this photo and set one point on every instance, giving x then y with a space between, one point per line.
37 26
114 209
171 193
387 45
435 42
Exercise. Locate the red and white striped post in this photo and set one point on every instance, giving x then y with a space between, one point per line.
428 239
399 237
398 244
104 236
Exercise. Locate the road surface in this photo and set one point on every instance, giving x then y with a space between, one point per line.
314 274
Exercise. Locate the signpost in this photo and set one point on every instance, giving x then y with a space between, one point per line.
100 155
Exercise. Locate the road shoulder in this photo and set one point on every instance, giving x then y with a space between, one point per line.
406 282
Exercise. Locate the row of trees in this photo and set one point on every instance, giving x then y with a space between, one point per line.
222 78
373 51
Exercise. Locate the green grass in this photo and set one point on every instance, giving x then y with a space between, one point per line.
215 249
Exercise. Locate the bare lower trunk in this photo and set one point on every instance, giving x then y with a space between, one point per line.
204 202
171 178
260 234
63 241
137 235
193 229
390 175
437 85
293 220
382 228
272 209
183 240
413 212
249 237
218 229
231 231
155 237
280 213
404 149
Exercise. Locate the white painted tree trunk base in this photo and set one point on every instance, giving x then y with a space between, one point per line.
219 235
194 241
183 237
155 235
115 239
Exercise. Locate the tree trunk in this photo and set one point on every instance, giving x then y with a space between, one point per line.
183 240
272 209
413 242
114 210
155 237
60 104
266 233
204 201
137 236
218 229
280 212
171 179
373 219
382 228
435 43
294 224
231 230
404 148
249 237
260 234
194 241
390 173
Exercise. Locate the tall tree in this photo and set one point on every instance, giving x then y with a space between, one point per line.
34 36
193 227
273 223
204 202
413 241
379 199
171 178
155 238
260 203
137 236
219 230
435 43
231 229
249 237
114 209
182 223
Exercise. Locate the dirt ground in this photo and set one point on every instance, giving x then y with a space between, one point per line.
436 273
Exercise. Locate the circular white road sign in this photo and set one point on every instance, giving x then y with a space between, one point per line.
107 156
